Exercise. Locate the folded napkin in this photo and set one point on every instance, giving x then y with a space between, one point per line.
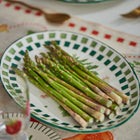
17 21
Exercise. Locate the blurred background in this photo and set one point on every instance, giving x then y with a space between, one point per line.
106 13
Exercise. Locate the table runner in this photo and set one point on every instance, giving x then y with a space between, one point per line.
17 21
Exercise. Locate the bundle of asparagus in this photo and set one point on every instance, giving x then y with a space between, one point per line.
80 92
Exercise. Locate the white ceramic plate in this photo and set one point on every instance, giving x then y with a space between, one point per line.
109 63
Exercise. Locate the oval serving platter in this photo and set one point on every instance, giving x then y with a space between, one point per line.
109 64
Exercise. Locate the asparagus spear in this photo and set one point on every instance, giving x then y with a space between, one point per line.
64 92
113 106
86 100
111 115
68 68
72 81
99 116
83 114
61 89
124 97
62 67
74 115
42 66
107 90
106 110
76 93
93 87
104 88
